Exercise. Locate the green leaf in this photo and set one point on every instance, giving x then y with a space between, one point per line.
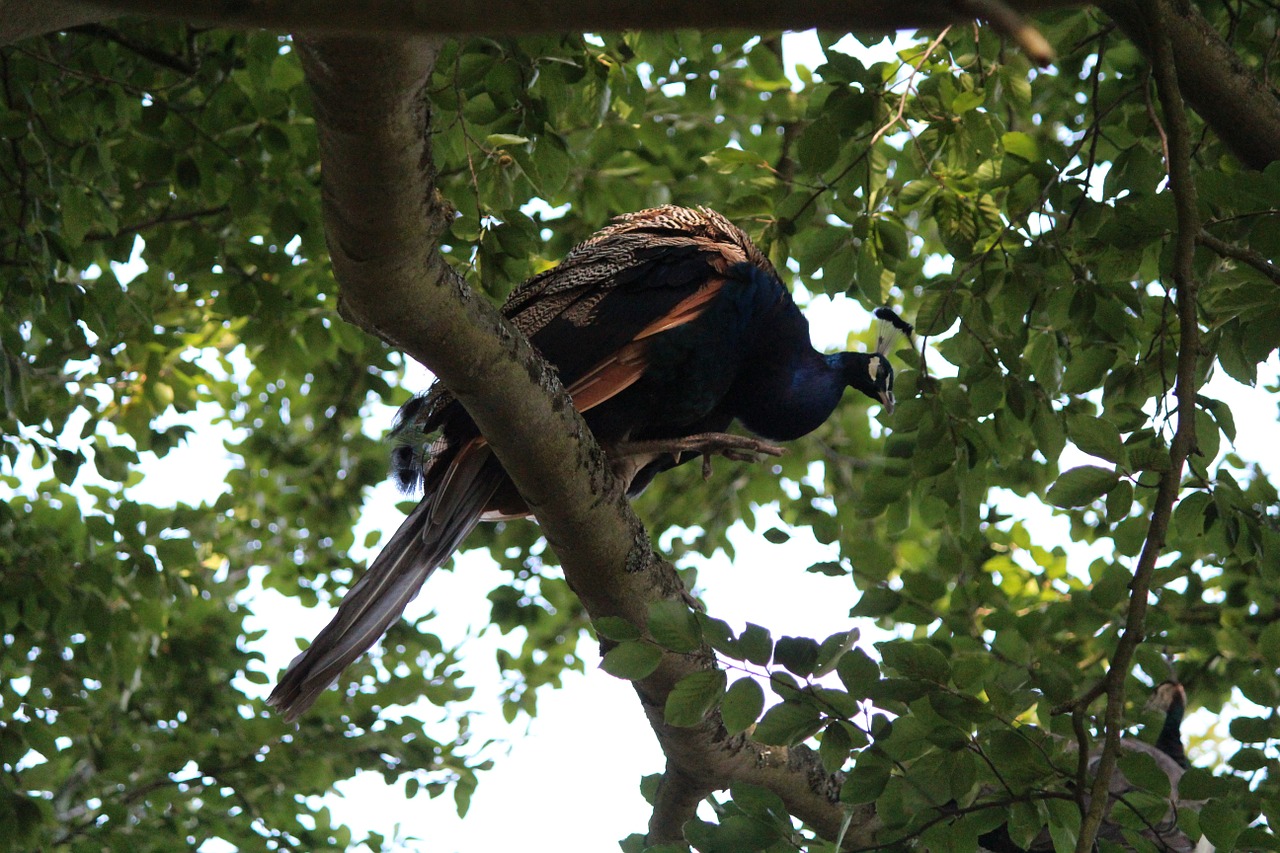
615 628
1096 437
1198 784
498 140
834 748
775 536
1049 433
1026 820
940 309
693 697
717 634
1086 370
819 145
1064 824
77 215
878 601
632 660
915 660
756 645
1140 769
734 833
966 101
1221 824
1081 486
864 783
1221 413
66 464
858 673
1119 501
1269 644
1149 459
255 677
1020 145
829 568
742 705
674 626
797 654
1251 729
787 723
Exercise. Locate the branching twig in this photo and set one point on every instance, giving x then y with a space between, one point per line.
1182 184
1241 254
162 219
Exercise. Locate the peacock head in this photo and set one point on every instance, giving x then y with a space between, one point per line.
880 381
1168 696
873 374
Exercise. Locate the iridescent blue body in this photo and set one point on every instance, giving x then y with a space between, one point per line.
667 324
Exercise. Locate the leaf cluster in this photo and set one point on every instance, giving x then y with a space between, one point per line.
1019 216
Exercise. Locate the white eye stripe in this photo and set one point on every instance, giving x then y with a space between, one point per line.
873 367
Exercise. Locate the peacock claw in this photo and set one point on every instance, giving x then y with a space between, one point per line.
737 448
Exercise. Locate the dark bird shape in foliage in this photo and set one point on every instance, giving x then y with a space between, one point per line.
1171 697
665 327
1170 758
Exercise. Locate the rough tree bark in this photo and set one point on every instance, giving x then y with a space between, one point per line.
382 216
396 18
1230 97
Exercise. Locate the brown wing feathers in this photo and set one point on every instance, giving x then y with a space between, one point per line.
667 247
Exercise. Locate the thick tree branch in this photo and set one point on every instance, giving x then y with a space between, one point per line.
513 17
1167 73
1230 97
20 19
382 220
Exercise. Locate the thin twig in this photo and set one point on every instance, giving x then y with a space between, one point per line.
883 129
162 219
1241 254
1182 184
1095 129
1155 119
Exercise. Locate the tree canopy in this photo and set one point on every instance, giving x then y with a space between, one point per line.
1082 247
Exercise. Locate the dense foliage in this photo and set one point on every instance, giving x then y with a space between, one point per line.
1020 216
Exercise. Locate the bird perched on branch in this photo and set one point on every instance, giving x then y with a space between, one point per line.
665 327
1170 758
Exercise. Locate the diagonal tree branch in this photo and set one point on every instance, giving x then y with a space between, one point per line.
487 17
20 19
1212 78
382 221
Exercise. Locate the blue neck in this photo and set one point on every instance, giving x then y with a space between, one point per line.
790 400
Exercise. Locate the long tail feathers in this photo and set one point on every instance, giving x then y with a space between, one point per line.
425 540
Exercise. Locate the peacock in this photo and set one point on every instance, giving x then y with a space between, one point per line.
665 328
1171 698
1169 757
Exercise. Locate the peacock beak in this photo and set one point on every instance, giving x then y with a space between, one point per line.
886 397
